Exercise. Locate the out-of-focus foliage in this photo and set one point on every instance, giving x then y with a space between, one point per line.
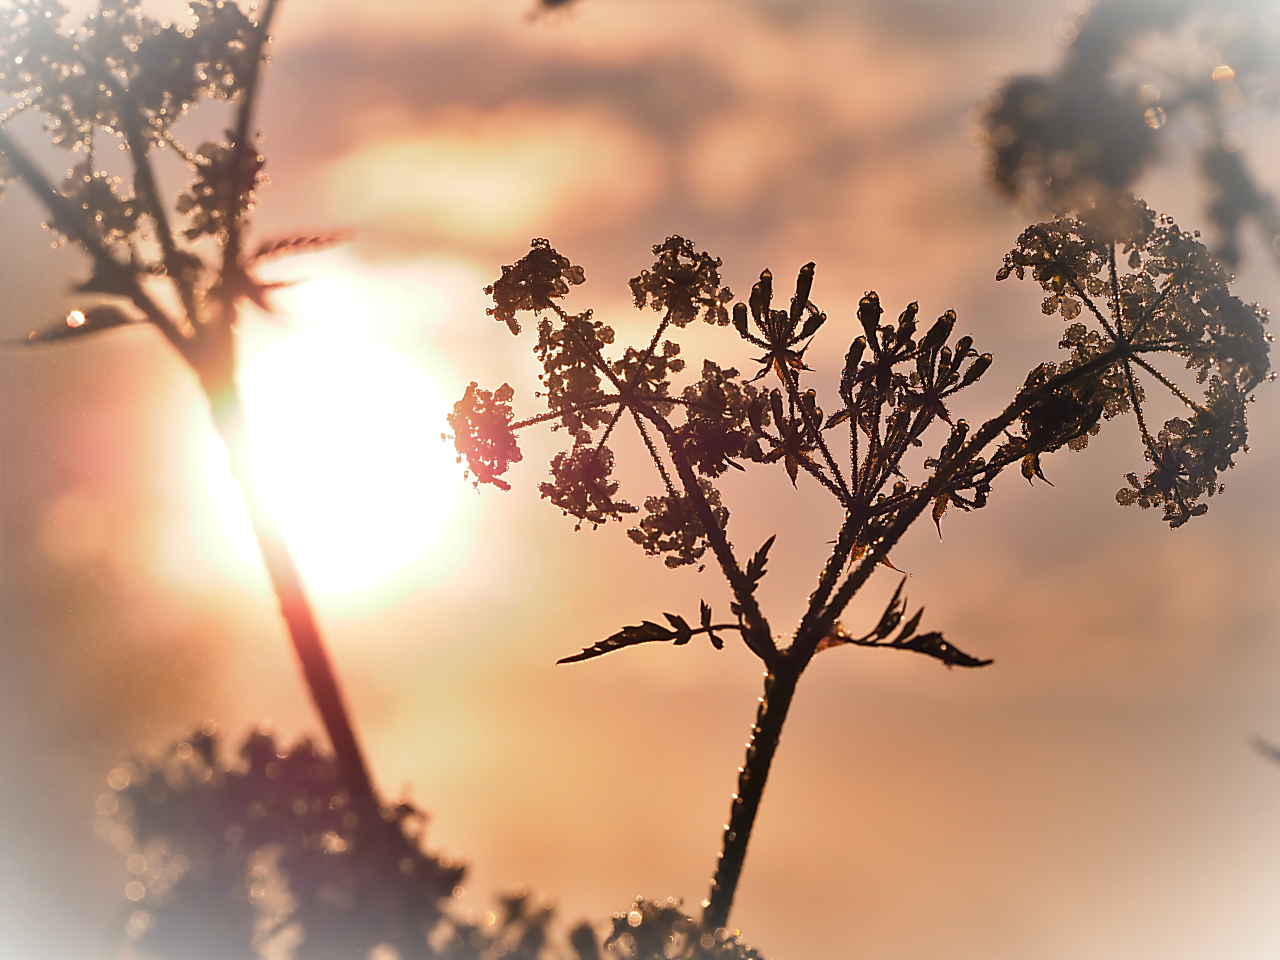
122 80
660 930
1131 72
231 856
265 854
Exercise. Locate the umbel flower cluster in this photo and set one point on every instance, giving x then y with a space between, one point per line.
1130 285
1135 292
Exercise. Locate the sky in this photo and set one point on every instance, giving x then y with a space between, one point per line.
1092 794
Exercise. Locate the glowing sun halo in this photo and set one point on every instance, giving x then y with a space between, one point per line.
344 432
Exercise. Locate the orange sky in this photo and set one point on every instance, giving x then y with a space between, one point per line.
1091 794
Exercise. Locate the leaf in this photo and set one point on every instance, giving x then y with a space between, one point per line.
775 401
116 283
939 332
892 615
645 632
908 628
284 246
804 284
837 418
1031 468
755 567
79 324
792 464
850 374
933 645
684 633
706 625
940 505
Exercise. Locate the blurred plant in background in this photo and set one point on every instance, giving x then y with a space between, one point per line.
123 79
1131 74
264 855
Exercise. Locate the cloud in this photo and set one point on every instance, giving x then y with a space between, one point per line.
488 177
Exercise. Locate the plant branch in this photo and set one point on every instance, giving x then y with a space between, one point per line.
758 636
944 473
793 391
241 143
68 219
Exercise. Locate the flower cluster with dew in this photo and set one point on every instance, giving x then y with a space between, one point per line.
1133 290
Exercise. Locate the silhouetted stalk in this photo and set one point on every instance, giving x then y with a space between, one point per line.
779 688
295 607
209 348
789 664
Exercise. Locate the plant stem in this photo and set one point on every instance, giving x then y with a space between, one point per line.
295 607
779 688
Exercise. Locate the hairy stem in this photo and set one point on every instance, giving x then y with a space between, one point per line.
779 688
785 669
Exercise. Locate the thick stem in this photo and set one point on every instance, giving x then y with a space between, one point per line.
228 416
779 688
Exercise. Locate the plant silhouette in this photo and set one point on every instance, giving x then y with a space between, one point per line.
287 848
125 76
1134 291
122 77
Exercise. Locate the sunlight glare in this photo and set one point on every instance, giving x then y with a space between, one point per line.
345 418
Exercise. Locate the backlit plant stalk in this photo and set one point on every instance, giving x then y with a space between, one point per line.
1131 287
95 86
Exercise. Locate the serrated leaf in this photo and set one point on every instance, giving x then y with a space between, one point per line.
646 632
908 628
892 615
684 633
755 566
933 645
79 324
283 246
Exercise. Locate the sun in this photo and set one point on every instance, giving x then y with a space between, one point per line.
344 422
